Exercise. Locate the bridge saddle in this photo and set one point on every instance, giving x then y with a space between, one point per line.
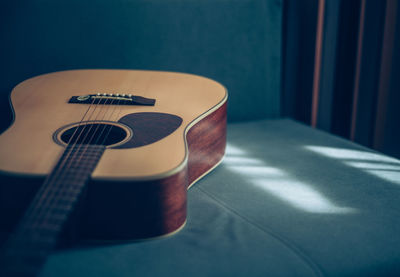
112 99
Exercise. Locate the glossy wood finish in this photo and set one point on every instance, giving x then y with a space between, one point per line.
132 205
206 142
41 108
135 210
140 209
116 210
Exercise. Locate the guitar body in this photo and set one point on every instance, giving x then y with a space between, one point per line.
138 186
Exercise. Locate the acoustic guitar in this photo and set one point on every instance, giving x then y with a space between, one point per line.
105 155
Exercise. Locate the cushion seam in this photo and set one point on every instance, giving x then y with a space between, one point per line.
303 257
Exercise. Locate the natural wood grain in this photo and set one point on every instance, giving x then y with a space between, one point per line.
135 210
40 109
207 141
133 193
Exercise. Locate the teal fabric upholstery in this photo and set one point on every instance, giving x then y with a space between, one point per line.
235 42
287 201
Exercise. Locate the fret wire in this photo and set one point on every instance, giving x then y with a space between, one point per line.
65 163
65 186
57 210
48 226
65 154
86 147
82 148
77 148
70 150
62 189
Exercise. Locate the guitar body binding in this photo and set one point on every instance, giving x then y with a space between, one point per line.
119 205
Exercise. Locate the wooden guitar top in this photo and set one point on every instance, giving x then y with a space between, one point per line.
41 107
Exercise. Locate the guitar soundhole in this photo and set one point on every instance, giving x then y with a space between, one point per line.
94 134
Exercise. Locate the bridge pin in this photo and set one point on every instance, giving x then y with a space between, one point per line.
123 95
130 95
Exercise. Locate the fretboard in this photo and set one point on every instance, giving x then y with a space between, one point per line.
38 232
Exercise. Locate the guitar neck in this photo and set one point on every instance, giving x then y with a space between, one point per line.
39 230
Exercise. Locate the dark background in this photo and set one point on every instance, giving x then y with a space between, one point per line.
358 94
234 42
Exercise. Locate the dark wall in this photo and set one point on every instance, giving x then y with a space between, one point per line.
235 42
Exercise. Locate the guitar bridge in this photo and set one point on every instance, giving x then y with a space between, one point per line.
112 99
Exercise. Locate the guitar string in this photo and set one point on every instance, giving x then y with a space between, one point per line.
111 125
40 193
51 196
43 216
86 145
105 127
66 157
60 166
116 118
72 151
51 193
37 201
68 154
101 133
67 189
94 135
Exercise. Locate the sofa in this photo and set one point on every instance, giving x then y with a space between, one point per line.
287 200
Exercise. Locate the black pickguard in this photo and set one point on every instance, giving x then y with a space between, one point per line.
149 127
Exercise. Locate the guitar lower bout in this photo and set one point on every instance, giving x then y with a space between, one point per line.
124 209
155 208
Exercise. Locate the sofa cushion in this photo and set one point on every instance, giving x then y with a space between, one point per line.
287 200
